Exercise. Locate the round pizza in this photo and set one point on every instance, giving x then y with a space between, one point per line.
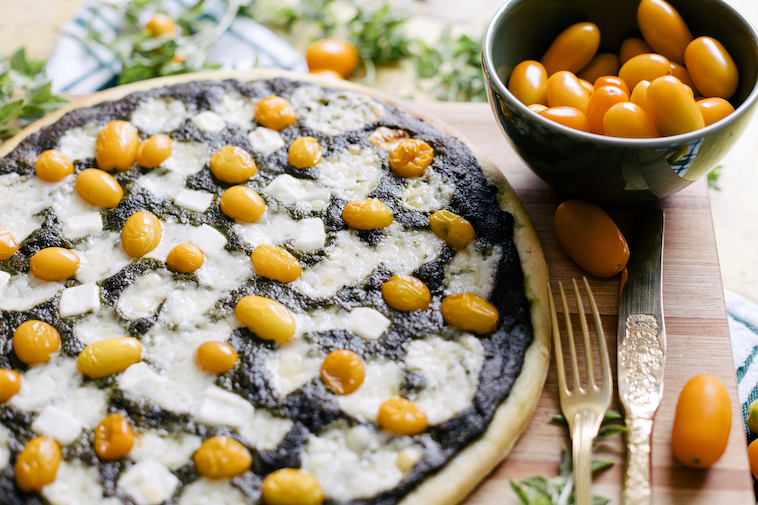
259 287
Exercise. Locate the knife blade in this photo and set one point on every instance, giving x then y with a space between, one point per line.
641 350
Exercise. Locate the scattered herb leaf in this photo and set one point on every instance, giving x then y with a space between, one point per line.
713 178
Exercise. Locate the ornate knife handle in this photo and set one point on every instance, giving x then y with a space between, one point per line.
637 489
642 356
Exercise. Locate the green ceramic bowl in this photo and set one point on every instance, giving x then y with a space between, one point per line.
606 170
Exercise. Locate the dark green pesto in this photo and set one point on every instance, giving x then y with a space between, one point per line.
312 407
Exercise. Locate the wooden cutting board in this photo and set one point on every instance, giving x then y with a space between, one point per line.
696 327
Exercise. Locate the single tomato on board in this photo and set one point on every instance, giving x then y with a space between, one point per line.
591 238
702 421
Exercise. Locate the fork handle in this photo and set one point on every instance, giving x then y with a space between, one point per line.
637 490
581 448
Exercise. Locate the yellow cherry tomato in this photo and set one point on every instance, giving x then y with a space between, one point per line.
334 54
591 238
664 29
573 49
565 90
680 72
611 80
601 100
325 72
711 67
528 82
588 86
53 165
537 107
644 67
639 96
160 24
714 109
631 47
601 64
8 244
752 417
752 456
628 120
567 116
702 421
672 107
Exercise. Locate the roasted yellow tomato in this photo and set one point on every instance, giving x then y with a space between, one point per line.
672 107
711 67
8 244
644 67
628 120
52 166
591 238
714 109
116 146
528 82
565 90
334 54
664 29
611 80
752 456
573 49
631 47
601 64
601 100
702 421
567 116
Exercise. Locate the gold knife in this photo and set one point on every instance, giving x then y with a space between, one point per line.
641 350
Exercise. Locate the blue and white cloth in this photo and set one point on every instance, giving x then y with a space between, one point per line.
743 328
78 67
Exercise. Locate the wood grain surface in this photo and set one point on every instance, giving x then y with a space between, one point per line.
696 327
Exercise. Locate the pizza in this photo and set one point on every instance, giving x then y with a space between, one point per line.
259 288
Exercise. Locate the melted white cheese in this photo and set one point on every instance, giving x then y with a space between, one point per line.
140 381
159 115
265 140
349 260
451 372
100 257
56 379
303 193
382 382
367 323
212 492
293 365
236 109
170 450
25 291
186 158
265 431
145 295
80 300
79 143
430 192
77 484
100 326
351 176
148 483
209 121
347 474
53 422
334 112
473 269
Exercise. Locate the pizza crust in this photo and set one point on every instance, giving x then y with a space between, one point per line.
472 465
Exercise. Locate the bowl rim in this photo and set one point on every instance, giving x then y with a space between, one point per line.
493 80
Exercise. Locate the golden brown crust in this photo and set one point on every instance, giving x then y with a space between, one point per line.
467 469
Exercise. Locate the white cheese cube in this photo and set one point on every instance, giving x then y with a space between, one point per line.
223 407
148 483
139 380
288 189
209 121
83 225
311 234
79 300
208 239
53 422
265 140
199 201
367 323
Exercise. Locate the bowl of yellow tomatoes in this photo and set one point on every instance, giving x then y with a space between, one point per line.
624 102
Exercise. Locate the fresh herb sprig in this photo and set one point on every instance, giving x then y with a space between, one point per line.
559 490
25 92
453 67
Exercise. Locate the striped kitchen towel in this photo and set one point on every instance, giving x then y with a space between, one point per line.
78 67
743 327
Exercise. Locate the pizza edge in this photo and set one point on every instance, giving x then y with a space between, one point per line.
463 473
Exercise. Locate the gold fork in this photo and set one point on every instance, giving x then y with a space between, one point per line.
583 407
